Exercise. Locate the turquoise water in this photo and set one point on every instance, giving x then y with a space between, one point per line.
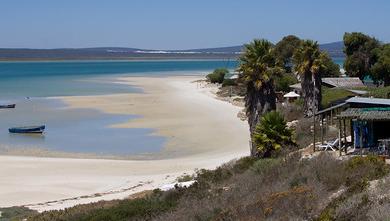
339 61
75 130
81 130
45 79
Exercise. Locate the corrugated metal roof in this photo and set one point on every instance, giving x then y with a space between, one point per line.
358 92
345 82
330 108
367 100
366 113
296 86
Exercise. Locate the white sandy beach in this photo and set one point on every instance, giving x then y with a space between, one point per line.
202 132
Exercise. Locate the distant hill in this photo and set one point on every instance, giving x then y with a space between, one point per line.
334 49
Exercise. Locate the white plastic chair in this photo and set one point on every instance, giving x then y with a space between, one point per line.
330 145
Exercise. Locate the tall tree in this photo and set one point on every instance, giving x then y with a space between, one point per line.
257 67
309 62
284 51
330 69
361 54
381 69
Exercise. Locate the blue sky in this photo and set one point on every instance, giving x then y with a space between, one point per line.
184 24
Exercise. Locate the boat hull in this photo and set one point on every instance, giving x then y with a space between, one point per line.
27 130
7 106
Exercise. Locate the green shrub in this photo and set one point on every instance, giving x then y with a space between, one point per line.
185 178
299 102
16 213
380 92
283 82
217 76
137 209
271 134
365 168
262 166
243 164
229 82
213 176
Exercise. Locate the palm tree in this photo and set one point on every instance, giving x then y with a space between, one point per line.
257 67
272 134
309 63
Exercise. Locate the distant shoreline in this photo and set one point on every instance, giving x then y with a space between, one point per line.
116 59
129 58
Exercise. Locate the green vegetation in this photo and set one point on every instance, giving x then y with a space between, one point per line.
257 189
329 69
272 134
332 95
258 68
229 82
379 92
217 76
361 51
137 209
284 51
185 178
366 56
283 82
15 213
381 69
309 62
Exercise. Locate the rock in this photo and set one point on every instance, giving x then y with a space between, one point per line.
242 115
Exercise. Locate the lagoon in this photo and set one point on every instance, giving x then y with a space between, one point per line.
34 87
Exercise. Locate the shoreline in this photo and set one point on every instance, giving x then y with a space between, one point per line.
123 59
202 132
194 104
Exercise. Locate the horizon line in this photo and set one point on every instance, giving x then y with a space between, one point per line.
136 48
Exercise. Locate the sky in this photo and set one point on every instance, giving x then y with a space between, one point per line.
184 24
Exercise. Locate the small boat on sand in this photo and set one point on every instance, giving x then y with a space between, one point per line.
27 130
5 106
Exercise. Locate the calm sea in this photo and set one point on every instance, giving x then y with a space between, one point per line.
45 79
28 84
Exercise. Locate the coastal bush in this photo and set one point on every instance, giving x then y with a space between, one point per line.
15 213
271 134
228 82
137 209
217 76
365 168
284 188
290 112
264 166
185 178
380 92
283 82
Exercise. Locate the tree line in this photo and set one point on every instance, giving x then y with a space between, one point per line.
262 62
366 56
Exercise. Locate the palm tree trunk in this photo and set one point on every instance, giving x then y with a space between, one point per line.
311 91
259 102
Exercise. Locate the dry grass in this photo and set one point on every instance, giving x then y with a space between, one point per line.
285 188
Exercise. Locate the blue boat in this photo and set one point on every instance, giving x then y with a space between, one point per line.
27 130
5 106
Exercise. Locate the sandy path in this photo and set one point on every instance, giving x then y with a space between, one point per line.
203 132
